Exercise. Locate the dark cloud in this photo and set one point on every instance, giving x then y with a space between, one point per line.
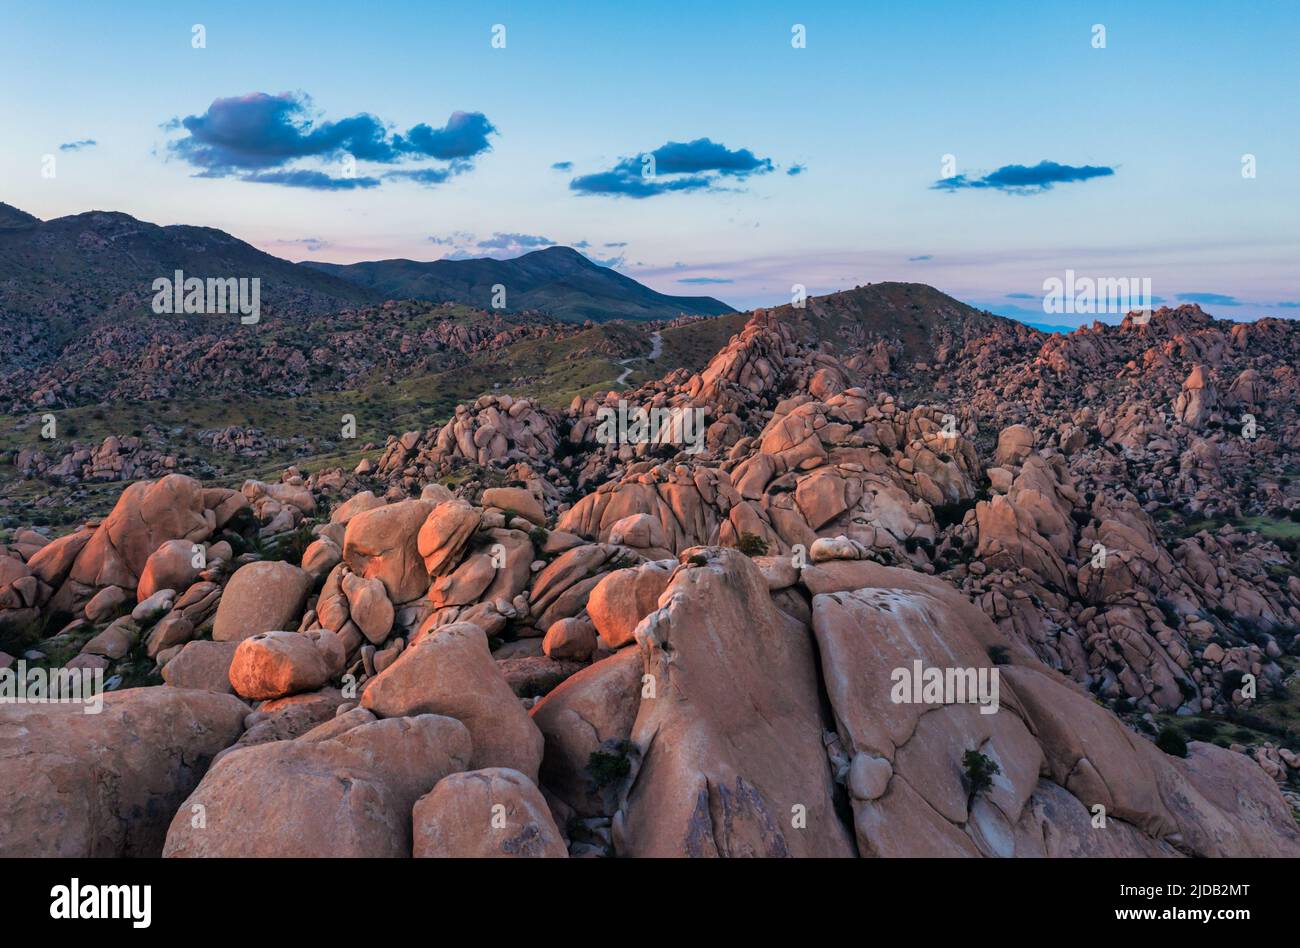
796 169
1289 304
562 166
1022 179
255 137
704 280
464 136
78 145
426 176
308 178
1021 296
920 259
617 243
1209 299
699 165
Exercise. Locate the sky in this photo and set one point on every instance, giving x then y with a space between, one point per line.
982 148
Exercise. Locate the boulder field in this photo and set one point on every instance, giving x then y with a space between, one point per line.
590 649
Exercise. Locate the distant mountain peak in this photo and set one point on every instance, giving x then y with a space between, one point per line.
11 216
559 281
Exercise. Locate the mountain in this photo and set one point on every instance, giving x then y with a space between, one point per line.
558 281
74 270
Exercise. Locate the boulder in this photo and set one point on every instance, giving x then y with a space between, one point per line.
347 796
171 566
276 664
623 598
595 707
204 666
105 785
730 744
491 813
261 597
382 543
451 672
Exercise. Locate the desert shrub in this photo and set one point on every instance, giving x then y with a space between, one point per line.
752 545
980 771
607 768
1199 729
1171 741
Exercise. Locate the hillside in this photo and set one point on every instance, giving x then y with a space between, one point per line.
558 281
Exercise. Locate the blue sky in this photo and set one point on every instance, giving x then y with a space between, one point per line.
864 116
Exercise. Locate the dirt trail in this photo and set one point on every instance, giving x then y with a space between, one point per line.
656 349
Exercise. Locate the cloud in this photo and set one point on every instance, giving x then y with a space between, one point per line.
1020 179
309 178
699 165
611 262
257 137
1289 304
78 145
1209 299
1021 296
520 242
921 259
796 169
562 166
617 243
427 176
311 244
506 246
704 280
464 136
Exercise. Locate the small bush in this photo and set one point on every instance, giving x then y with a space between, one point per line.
1171 741
999 655
980 771
752 545
609 768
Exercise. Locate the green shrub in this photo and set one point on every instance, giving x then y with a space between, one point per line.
752 545
1171 741
608 768
980 771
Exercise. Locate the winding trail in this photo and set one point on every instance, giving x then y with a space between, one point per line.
656 349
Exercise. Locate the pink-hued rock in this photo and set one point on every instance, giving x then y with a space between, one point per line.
277 664
451 672
489 813
382 543
95 785
261 597
625 597
347 796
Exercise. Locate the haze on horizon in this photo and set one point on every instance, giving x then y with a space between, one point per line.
822 165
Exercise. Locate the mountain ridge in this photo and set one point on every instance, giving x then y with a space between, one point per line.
558 280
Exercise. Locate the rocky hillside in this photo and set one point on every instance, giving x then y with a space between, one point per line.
647 650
